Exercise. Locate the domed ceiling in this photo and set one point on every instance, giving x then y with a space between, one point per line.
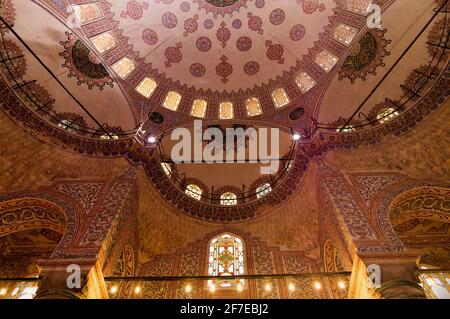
223 46
102 77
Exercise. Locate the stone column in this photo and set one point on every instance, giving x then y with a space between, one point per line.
60 281
394 275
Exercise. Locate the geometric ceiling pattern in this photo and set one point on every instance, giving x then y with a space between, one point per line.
221 51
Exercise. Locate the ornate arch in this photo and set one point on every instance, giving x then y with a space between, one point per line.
27 210
29 213
399 193
428 203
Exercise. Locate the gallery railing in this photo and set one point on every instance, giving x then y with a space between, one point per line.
425 77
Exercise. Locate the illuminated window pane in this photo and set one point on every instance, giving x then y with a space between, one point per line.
166 168
226 256
344 33
87 13
194 191
109 137
124 67
226 111
104 42
147 87
263 190
68 126
358 6
172 101
280 98
347 129
228 199
305 82
253 107
326 60
199 108
387 115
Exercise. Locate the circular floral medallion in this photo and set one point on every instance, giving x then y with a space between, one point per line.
277 17
297 32
260 4
169 20
191 25
255 23
237 23
173 54
204 44
251 68
197 69
208 24
185 6
244 43
150 36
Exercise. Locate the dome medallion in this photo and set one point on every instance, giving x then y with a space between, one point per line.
222 3
221 7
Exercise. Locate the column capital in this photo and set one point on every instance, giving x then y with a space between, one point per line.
394 273
69 279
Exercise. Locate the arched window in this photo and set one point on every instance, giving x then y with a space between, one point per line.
436 285
263 190
228 199
387 115
345 129
68 126
109 137
226 257
194 191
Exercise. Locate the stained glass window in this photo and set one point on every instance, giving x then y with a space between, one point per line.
344 33
104 42
109 137
358 6
263 190
199 108
226 111
124 67
253 106
172 100
68 126
326 60
387 115
228 199
194 191
347 129
305 82
226 257
147 87
87 13
280 97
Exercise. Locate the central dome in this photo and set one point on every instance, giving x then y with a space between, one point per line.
222 3
223 45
